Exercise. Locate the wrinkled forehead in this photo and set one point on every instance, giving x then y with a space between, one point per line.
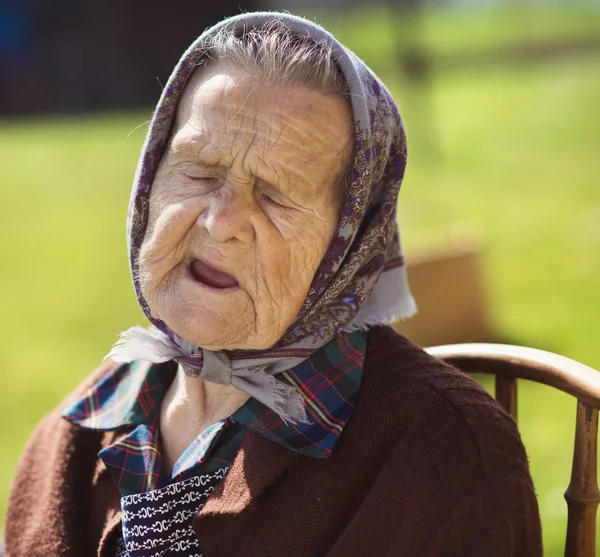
212 89
225 109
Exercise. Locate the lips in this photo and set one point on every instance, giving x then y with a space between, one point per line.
211 277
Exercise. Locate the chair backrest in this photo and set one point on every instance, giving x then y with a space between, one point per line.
508 363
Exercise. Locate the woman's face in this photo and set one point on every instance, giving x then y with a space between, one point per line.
245 202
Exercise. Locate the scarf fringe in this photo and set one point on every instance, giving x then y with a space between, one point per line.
389 302
151 345
396 312
283 399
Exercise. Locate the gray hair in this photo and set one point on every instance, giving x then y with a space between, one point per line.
275 54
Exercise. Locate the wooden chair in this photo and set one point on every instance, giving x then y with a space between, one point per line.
508 363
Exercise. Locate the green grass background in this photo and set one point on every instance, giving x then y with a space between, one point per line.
515 147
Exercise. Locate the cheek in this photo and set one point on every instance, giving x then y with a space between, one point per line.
317 233
304 242
170 226
172 198
166 243
318 238
316 245
170 220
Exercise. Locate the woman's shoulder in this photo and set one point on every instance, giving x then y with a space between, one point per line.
54 436
413 391
55 442
443 462
57 471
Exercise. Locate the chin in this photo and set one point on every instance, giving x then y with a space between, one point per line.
205 331
203 328
213 320
207 328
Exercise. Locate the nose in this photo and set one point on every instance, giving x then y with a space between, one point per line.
228 215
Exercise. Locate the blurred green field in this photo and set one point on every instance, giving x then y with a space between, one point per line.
514 147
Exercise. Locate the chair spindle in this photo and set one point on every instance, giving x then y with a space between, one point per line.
506 394
583 495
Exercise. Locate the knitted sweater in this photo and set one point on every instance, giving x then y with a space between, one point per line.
429 465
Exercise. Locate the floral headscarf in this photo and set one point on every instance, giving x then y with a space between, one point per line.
360 282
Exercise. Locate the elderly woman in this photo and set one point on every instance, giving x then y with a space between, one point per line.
270 410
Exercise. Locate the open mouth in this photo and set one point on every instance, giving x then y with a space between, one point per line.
211 277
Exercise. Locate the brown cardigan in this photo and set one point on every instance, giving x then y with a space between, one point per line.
428 465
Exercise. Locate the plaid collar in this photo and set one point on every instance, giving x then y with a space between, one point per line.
131 395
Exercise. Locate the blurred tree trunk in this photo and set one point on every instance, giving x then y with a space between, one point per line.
416 66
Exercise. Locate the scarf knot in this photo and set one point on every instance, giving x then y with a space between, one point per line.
155 346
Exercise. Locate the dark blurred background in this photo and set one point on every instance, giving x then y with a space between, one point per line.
77 55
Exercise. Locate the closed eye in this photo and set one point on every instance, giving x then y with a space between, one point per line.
272 201
199 178
205 184
201 172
